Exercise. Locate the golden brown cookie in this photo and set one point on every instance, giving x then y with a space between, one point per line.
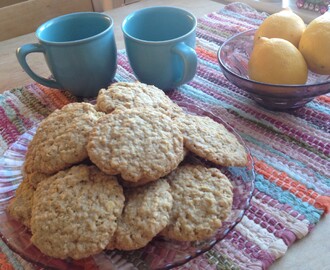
146 213
129 184
20 206
129 95
211 140
202 199
136 143
61 138
142 182
34 178
75 212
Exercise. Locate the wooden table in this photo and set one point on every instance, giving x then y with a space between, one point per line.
312 252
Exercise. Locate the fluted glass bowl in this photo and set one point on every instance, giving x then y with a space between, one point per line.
233 57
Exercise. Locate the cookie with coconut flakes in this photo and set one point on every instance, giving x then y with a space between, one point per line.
202 199
139 144
75 212
129 95
61 138
211 140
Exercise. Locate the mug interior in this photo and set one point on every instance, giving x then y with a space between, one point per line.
73 27
159 24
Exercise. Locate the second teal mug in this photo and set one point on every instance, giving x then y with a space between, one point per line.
160 43
80 51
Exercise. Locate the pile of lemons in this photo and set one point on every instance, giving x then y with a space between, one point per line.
285 48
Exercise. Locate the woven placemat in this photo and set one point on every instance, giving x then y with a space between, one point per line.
291 150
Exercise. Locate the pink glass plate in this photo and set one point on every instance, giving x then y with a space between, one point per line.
158 254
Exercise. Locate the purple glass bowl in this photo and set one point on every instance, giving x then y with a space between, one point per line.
158 254
233 57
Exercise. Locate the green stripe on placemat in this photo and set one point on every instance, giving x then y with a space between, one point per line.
221 261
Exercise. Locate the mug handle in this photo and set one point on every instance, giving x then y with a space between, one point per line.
21 54
189 58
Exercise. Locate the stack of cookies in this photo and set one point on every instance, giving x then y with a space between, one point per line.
116 174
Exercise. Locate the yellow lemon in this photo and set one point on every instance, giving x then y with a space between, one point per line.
284 24
277 61
315 44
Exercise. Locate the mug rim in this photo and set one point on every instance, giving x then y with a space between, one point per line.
193 28
74 14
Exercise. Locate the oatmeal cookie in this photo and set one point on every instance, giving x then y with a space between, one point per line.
202 199
34 178
136 143
129 95
75 212
20 206
61 138
146 213
129 184
211 140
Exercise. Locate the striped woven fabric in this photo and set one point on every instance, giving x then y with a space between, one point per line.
291 150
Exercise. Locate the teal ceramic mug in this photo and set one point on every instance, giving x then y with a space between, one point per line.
160 45
80 51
